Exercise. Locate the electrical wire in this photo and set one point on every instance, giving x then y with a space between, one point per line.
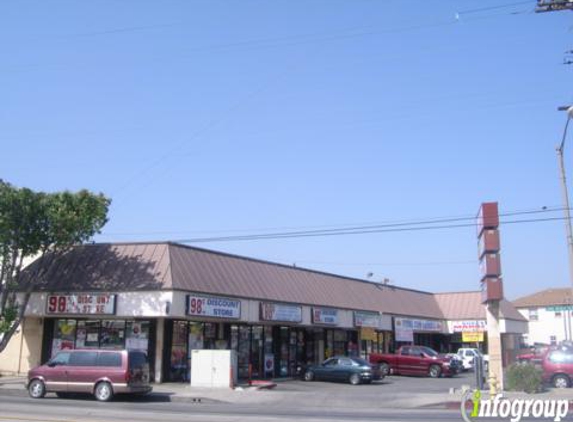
437 224
349 226
486 9
351 232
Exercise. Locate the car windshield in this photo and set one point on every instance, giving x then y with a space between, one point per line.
428 351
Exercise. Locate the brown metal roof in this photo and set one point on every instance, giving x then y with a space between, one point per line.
467 305
548 297
105 267
167 266
201 270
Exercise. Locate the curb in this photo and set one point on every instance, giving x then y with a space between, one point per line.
152 397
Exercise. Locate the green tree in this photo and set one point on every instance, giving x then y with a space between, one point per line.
39 225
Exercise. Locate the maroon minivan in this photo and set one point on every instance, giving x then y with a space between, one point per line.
102 373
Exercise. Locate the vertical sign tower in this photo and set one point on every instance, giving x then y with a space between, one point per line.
491 287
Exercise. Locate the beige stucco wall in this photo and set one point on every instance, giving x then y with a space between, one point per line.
10 357
24 349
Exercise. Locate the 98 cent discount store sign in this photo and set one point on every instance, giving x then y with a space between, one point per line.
82 304
211 306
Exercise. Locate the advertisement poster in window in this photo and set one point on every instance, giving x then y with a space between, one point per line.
404 330
137 336
269 363
195 336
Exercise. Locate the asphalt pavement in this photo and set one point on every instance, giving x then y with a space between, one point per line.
53 409
387 400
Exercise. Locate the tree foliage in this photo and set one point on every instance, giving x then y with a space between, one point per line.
32 225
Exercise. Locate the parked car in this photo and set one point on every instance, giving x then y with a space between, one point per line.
102 373
557 366
342 368
457 358
534 355
416 360
469 355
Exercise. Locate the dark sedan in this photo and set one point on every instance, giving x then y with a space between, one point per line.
341 368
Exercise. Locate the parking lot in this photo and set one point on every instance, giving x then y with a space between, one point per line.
392 384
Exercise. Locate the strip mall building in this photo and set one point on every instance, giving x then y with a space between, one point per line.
169 299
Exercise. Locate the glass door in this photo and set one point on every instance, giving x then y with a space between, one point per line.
244 351
257 359
179 370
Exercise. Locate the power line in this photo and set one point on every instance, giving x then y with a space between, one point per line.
344 226
385 264
355 232
386 228
486 9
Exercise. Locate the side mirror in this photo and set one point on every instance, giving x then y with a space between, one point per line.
422 355
52 364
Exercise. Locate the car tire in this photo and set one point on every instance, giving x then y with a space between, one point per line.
385 369
36 389
354 379
103 391
435 371
309 376
561 381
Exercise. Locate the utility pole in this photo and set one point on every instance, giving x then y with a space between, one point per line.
553 5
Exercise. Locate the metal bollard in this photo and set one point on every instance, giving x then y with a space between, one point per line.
479 372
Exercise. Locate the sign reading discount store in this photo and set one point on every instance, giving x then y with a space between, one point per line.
279 312
324 316
215 307
81 304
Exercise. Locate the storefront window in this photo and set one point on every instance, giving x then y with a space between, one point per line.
244 351
64 335
283 358
137 335
257 352
179 369
92 334
100 334
329 349
340 339
112 334
210 335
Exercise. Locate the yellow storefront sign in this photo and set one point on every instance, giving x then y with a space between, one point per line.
472 337
367 333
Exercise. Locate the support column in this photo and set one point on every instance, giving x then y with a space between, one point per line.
159 344
495 376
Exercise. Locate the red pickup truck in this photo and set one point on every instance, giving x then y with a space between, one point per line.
416 360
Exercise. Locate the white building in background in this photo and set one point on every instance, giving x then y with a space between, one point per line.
550 316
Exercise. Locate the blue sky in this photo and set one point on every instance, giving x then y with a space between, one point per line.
204 118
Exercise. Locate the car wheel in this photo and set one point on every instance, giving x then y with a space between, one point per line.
561 381
37 389
435 371
103 391
309 376
385 369
354 379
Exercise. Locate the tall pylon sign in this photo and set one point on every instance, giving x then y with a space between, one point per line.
491 287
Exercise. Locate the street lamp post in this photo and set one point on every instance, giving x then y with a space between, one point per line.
564 194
